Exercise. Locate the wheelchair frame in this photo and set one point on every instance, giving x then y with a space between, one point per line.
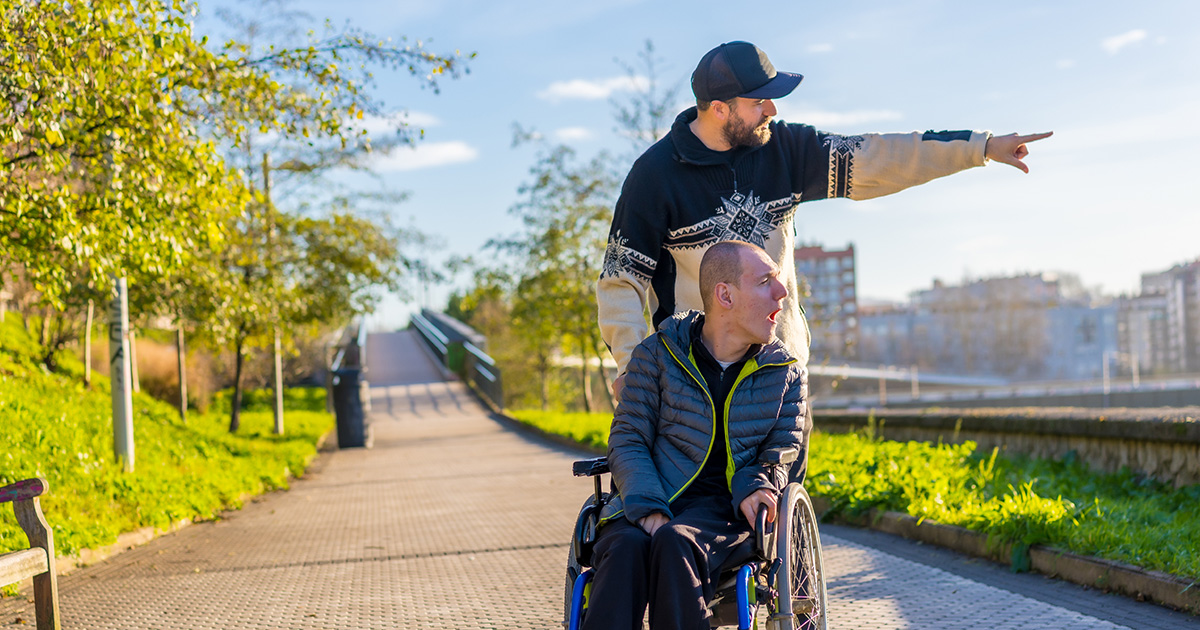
786 577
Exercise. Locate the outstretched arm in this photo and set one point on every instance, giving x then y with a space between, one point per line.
1011 149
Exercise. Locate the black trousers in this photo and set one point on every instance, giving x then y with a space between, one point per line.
675 571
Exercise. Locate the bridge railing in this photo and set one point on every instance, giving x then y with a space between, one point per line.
464 358
481 371
437 342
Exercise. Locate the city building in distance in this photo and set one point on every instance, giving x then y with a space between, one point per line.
1027 327
1159 329
829 296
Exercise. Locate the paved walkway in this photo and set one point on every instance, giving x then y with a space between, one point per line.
452 520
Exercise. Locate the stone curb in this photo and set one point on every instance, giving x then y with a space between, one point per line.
1107 575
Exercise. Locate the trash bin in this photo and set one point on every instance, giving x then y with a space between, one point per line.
348 408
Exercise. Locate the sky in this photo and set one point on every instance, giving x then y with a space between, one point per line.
1110 196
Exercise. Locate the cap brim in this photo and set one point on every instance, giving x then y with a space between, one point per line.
779 87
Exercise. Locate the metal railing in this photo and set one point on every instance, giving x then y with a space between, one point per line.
482 372
464 358
437 341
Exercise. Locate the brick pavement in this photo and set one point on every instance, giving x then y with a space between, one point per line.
450 520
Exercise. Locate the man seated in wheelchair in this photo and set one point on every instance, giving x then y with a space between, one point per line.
703 398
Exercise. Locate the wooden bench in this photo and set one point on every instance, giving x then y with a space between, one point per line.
36 562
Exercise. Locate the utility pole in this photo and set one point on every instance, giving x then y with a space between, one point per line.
1137 370
87 346
122 393
271 257
882 386
181 354
1104 371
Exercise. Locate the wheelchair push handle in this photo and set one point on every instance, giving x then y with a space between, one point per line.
590 467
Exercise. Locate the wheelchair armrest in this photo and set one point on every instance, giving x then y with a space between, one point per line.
778 456
590 467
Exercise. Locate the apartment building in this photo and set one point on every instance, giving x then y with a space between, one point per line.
829 295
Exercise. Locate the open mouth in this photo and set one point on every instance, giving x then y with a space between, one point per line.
772 316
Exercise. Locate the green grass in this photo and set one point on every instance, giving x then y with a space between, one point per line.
589 429
1015 500
54 427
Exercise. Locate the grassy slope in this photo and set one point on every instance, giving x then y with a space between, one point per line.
52 426
1019 500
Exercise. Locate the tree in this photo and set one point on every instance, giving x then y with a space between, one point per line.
566 214
101 171
320 107
320 270
555 260
648 113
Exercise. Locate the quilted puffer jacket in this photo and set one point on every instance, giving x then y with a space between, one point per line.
663 429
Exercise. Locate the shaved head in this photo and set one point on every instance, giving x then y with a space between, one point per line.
722 263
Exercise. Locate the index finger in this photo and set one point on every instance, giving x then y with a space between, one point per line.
1033 137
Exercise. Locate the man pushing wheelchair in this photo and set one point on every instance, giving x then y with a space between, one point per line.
704 398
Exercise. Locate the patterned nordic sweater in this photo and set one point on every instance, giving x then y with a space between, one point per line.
680 197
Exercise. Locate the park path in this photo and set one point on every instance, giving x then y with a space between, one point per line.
452 519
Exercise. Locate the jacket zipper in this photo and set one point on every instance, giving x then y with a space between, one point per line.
713 406
754 367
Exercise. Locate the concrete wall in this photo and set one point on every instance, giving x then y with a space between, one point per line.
1161 443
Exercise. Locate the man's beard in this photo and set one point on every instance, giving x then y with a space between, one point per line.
739 134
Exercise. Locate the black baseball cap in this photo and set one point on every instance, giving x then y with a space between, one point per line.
740 69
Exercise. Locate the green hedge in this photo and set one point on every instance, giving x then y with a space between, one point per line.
1015 500
54 427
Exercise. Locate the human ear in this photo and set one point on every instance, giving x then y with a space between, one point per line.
721 109
724 296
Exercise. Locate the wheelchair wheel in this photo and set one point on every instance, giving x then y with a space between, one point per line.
802 601
572 573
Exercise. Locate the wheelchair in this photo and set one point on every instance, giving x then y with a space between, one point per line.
782 583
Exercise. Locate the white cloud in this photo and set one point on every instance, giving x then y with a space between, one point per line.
568 134
820 48
1065 64
827 119
426 155
379 126
1115 43
583 89
420 119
